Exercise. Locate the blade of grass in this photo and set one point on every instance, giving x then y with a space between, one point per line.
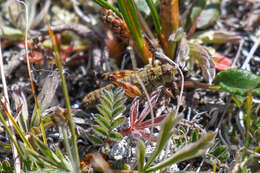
12 137
248 124
30 72
75 164
15 125
155 17
106 5
140 155
129 13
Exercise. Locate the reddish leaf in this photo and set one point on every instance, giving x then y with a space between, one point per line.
134 112
222 62
154 97
148 123
145 134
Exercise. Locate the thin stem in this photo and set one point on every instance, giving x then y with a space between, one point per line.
30 73
67 101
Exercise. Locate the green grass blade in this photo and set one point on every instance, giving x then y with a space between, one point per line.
140 155
129 12
106 5
15 125
155 16
76 165
12 137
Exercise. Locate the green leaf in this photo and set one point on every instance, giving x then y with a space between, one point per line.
60 156
119 102
40 159
106 5
140 155
189 151
239 100
118 111
45 150
196 10
118 93
257 122
208 16
217 37
195 136
219 151
117 122
11 33
6 167
99 131
103 110
108 95
224 157
50 85
115 136
238 81
106 102
96 140
103 122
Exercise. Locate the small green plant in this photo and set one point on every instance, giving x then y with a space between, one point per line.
110 116
46 160
5 167
187 152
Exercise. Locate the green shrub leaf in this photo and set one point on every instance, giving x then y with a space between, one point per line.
238 82
115 136
100 131
102 121
96 140
117 122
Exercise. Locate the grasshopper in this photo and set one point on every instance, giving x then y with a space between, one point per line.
151 76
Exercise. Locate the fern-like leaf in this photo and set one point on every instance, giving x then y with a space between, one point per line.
110 109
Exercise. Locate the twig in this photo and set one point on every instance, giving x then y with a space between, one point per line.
79 29
132 55
85 18
238 53
251 53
